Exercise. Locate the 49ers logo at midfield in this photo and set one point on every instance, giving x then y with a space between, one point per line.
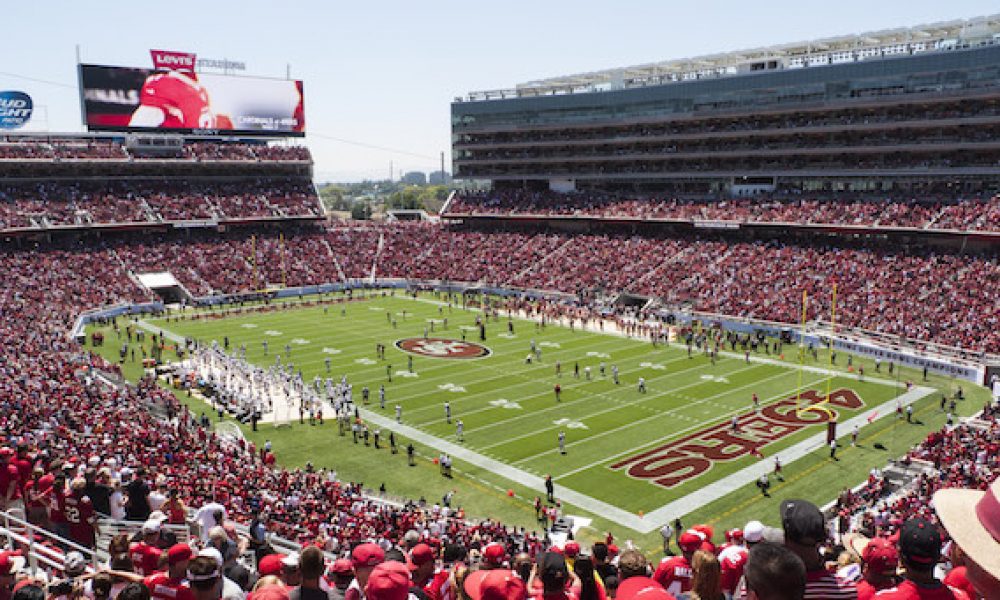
442 348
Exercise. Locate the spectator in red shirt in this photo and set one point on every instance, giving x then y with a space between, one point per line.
879 562
36 494
972 519
674 573
958 576
7 573
495 584
920 549
171 585
424 571
388 581
365 558
10 487
80 515
146 555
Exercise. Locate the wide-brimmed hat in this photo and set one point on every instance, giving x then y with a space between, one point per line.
972 519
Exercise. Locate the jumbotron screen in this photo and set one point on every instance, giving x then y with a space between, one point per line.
134 99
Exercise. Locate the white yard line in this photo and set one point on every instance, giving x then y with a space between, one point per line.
592 505
626 403
675 434
720 487
656 518
611 329
561 406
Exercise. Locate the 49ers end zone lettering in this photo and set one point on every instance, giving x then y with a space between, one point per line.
442 348
693 455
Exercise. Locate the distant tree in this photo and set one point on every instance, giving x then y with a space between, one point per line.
361 211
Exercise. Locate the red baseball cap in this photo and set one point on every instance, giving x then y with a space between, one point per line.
270 565
494 554
179 553
367 555
691 540
642 588
881 556
572 549
613 550
420 555
342 566
388 581
495 584
734 534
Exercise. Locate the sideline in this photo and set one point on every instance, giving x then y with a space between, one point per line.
655 519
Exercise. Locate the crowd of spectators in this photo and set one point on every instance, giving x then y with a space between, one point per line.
920 295
930 212
210 151
964 456
62 150
56 202
73 444
112 149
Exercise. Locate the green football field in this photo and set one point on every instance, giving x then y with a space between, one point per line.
636 452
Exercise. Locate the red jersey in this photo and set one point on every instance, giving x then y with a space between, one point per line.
911 591
24 469
182 99
176 514
957 578
162 587
145 558
438 587
9 475
36 492
79 512
57 504
674 574
732 560
867 591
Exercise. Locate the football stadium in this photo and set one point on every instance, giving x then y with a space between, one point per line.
714 327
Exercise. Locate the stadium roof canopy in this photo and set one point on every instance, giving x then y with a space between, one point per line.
934 37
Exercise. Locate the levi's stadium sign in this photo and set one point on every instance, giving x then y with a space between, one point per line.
15 109
173 61
189 62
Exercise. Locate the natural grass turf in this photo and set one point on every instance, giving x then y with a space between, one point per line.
686 394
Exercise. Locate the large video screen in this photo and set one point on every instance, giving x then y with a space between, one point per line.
130 99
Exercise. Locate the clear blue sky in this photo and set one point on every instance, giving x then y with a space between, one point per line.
384 72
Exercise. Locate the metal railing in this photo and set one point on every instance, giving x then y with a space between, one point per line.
44 551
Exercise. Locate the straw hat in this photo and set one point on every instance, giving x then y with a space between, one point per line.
972 518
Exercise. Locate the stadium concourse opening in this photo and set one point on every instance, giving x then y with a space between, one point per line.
166 287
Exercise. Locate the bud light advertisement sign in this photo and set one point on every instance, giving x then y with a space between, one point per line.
15 109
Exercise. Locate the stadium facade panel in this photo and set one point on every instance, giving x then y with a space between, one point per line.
919 120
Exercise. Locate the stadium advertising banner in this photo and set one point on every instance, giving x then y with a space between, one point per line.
15 109
174 98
